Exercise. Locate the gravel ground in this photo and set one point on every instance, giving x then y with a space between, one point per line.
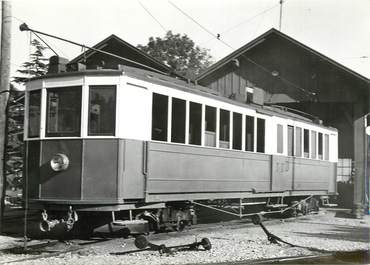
231 241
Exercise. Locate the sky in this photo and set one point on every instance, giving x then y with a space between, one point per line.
339 29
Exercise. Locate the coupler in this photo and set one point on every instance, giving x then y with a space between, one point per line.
141 242
47 225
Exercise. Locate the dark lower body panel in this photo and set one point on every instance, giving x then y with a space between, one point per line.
122 174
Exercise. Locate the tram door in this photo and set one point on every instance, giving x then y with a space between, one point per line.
282 166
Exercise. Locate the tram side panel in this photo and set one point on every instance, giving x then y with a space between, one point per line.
314 175
176 171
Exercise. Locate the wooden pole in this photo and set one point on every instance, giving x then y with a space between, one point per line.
4 93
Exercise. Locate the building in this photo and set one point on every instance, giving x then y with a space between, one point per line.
295 76
91 59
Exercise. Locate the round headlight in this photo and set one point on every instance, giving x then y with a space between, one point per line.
59 162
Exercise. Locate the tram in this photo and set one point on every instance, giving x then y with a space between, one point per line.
145 146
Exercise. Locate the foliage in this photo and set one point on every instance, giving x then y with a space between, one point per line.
14 145
178 52
15 115
37 66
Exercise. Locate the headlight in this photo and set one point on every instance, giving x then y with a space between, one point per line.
59 162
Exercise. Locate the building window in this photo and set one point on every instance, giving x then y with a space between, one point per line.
63 116
306 143
320 145
280 139
195 123
34 110
326 154
178 120
313 144
290 140
260 135
102 110
210 132
159 117
237 131
224 128
298 142
249 133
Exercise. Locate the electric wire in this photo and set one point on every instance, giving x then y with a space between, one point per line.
243 55
49 46
24 27
243 22
150 14
46 44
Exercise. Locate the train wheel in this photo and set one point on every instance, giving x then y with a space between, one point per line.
257 219
125 232
141 242
180 226
206 243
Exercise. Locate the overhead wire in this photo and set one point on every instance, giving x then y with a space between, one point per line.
150 14
243 55
24 27
38 36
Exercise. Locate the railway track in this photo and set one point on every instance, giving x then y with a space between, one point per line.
54 248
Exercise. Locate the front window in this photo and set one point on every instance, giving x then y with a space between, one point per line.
102 110
34 109
63 117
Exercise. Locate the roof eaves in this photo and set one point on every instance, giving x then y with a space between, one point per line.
260 39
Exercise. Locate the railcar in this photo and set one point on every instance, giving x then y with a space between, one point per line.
141 145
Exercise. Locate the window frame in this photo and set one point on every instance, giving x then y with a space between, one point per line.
81 122
28 114
88 110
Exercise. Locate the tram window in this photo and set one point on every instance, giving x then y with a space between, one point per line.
280 139
237 131
320 143
34 109
249 133
260 135
63 116
306 143
195 123
210 133
298 141
326 156
159 117
224 128
178 120
290 140
102 110
313 144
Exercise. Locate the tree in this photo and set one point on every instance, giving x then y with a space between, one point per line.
37 66
15 115
179 52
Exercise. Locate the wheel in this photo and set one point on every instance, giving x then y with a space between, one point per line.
181 226
206 243
125 232
257 219
141 242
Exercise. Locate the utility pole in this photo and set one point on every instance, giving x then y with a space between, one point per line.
281 14
4 93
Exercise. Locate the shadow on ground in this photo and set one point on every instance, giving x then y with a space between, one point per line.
355 234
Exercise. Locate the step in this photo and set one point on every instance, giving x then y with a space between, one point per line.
253 203
276 206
